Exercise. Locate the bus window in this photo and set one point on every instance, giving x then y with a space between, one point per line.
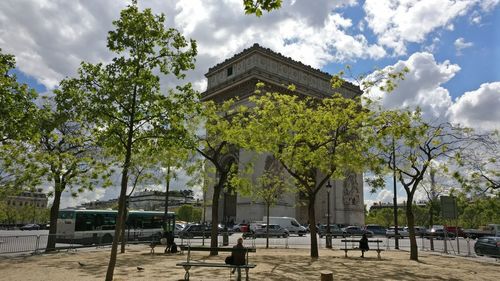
109 219
66 214
98 221
84 222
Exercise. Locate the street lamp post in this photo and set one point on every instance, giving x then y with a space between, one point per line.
328 233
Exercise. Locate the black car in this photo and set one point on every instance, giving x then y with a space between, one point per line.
376 229
30 226
195 230
356 231
488 246
334 231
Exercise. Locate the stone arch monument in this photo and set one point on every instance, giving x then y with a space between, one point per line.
237 77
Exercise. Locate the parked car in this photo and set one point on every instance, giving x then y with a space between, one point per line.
356 231
420 231
440 233
275 230
241 227
334 231
30 226
195 230
376 229
488 246
391 232
455 229
178 228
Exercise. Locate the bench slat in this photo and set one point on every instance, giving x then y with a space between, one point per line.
208 249
206 264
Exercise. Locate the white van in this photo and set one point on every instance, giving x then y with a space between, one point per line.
288 223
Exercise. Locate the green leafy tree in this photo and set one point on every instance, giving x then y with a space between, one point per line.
17 106
185 213
383 216
479 167
314 140
65 153
124 97
418 143
478 210
270 187
18 113
216 145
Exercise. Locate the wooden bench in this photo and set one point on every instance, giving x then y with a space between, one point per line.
346 249
189 263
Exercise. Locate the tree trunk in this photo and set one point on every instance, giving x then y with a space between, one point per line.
121 212
431 222
312 222
214 233
267 224
54 213
167 187
411 227
123 239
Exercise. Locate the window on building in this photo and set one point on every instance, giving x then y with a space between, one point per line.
230 71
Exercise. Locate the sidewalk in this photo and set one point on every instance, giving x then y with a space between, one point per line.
272 264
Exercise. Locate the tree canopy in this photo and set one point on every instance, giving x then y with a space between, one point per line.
124 98
315 140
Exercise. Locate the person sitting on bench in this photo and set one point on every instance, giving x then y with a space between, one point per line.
238 257
363 245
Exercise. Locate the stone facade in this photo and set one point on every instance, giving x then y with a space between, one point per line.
237 77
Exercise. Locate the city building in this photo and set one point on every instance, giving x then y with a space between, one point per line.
147 200
382 205
37 199
26 207
155 200
237 77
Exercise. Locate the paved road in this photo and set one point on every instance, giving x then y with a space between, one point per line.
27 241
304 242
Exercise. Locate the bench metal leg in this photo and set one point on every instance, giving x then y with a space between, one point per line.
246 270
345 253
186 275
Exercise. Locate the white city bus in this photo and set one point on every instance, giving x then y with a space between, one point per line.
98 226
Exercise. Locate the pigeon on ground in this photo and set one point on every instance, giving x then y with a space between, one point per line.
140 268
81 264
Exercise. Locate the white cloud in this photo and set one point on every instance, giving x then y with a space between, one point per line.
50 39
422 86
461 44
398 22
478 108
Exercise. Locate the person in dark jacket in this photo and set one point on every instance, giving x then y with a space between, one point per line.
238 256
363 245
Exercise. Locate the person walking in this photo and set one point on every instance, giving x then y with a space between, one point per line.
363 245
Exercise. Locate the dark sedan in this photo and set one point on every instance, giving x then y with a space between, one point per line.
356 231
488 246
30 226
195 230
334 231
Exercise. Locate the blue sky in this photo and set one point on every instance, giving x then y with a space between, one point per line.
451 46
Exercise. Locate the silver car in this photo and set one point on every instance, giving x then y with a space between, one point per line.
401 232
275 230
